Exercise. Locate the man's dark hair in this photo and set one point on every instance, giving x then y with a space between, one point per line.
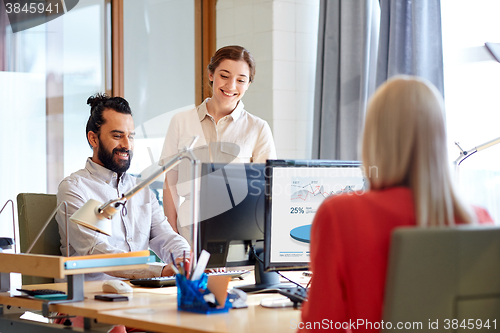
100 102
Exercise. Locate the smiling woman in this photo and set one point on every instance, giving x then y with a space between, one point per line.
228 133
229 82
231 70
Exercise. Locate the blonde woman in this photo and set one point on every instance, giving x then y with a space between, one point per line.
406 163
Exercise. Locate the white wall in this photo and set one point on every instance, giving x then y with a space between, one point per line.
282 37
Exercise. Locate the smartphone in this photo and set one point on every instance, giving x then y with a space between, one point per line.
111 298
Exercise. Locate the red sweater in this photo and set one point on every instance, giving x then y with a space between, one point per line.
350 239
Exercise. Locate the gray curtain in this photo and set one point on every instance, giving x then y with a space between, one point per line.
411 40
345 75
361 44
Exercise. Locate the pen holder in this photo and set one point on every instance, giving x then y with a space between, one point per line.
190 296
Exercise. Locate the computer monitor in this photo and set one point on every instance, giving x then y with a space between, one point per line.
231 212
295 189
238 202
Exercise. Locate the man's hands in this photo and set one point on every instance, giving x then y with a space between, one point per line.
169 271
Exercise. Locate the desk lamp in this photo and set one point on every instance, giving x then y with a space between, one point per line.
466 153
494 49
7 243
97 216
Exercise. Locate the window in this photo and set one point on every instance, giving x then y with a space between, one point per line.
46 75
159 74
472 83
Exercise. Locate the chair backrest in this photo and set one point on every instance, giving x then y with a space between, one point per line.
443 274
33 211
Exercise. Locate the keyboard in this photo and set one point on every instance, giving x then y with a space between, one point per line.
166 281
36 292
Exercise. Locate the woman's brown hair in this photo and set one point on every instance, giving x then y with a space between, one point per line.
232 52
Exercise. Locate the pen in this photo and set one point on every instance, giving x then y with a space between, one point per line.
191 259
184 266
174 265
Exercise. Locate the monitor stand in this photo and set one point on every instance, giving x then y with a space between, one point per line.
264 280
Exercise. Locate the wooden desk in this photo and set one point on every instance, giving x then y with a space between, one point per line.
89 307
155 309
166 318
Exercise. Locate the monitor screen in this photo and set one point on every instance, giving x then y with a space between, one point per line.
294 191
231 212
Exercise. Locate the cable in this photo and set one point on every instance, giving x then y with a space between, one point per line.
278 272
289 280
255 254
256 211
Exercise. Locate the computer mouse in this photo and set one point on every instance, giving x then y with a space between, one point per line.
117 287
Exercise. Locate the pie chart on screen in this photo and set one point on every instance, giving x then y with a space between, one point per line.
301 234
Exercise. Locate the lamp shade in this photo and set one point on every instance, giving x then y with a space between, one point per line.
89 217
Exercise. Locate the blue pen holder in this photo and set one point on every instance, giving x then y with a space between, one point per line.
190 296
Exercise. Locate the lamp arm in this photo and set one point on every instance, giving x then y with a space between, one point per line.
488 144
110 208
47 223
195 174
167 167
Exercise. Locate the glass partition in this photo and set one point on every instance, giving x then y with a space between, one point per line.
472 82
46 75
159 72
84 45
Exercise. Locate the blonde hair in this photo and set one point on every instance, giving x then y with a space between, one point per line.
405 140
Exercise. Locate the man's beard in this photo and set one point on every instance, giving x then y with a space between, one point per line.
107 159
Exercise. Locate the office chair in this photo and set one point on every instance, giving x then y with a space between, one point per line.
443 274
33 211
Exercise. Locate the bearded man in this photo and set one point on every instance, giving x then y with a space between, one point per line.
141 224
